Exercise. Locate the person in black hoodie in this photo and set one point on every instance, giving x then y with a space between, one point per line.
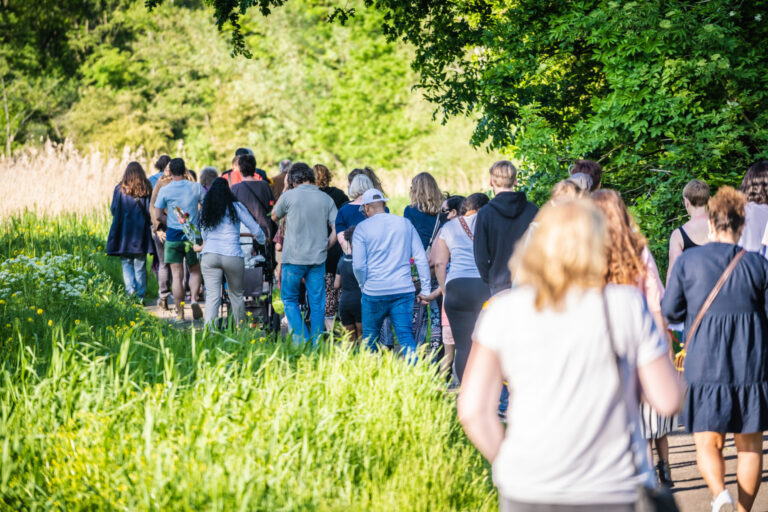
500 224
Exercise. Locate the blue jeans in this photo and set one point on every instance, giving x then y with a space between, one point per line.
399 308
135 274
314 281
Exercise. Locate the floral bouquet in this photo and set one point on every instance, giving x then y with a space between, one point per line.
191 233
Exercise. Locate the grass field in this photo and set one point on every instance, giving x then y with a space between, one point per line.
103 407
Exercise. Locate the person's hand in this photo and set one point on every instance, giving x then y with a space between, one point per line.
425 299
161 236
197 248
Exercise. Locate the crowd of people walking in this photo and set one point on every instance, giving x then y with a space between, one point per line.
551 321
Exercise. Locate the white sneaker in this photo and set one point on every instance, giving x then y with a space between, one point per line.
723 503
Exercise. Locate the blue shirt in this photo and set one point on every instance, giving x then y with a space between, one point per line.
382 248
153 179
424 223
185 194
224 239
350 215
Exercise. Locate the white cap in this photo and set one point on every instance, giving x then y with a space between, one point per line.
373 195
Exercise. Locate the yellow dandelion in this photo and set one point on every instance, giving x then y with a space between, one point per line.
133 323
77 322
29 319
39 311
253 341
50 323
2 302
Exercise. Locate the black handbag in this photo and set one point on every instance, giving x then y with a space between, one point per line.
648 500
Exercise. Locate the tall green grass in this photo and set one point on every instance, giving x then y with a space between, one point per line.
105 407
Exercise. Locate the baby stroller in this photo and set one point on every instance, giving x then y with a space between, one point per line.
258 285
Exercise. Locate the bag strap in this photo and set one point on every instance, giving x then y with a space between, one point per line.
466 228
253 194
434 233
712 295
622 391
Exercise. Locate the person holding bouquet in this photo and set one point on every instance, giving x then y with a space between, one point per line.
177 206
130 236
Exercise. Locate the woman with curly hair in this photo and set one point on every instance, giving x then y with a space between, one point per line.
130 235
630 262
726 363
221 254
323 178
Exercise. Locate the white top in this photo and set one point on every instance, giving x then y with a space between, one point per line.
224 239
461 248
567 432
755 221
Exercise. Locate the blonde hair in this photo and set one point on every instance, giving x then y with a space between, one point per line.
566 250
624 254
503 174
425 194
565 190
726 210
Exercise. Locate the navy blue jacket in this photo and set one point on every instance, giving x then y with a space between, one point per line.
130 232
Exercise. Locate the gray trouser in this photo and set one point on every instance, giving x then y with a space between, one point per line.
215 267
507 505
163 269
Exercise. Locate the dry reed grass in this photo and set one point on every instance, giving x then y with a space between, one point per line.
57 178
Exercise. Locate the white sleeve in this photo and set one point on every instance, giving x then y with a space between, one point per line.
492 325
645 335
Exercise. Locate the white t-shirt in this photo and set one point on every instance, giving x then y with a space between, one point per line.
567 431
755 221
461 247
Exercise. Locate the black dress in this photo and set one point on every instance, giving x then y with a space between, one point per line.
725 367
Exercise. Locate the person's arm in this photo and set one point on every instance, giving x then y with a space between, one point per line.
440 257
420 260
360 257
250 223
674 307
337 282
479 400
332 238
661 386
280 209
675 250
332 213
480 248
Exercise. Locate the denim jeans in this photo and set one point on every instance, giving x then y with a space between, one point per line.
399 308
314 281
135 274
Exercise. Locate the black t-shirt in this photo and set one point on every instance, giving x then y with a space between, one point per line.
257 197
350 289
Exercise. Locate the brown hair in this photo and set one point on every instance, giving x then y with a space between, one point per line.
503 174
591 168
755 183
367 171
696 192
425 194
565 251
726 210
322 176
626 244
565 190
135 182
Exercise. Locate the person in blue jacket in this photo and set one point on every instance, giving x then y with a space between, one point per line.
130 236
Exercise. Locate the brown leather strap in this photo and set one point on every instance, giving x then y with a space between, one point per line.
466 228
712 295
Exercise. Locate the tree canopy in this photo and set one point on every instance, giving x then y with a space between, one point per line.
657 91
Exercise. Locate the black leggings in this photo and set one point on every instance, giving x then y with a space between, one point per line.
464 299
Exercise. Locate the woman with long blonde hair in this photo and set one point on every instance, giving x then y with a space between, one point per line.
130 235
629 261
576 354
424 214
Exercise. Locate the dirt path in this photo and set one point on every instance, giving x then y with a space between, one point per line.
691 492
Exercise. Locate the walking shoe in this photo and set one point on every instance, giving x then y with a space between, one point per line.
664 473
163 303
197 311
723 503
